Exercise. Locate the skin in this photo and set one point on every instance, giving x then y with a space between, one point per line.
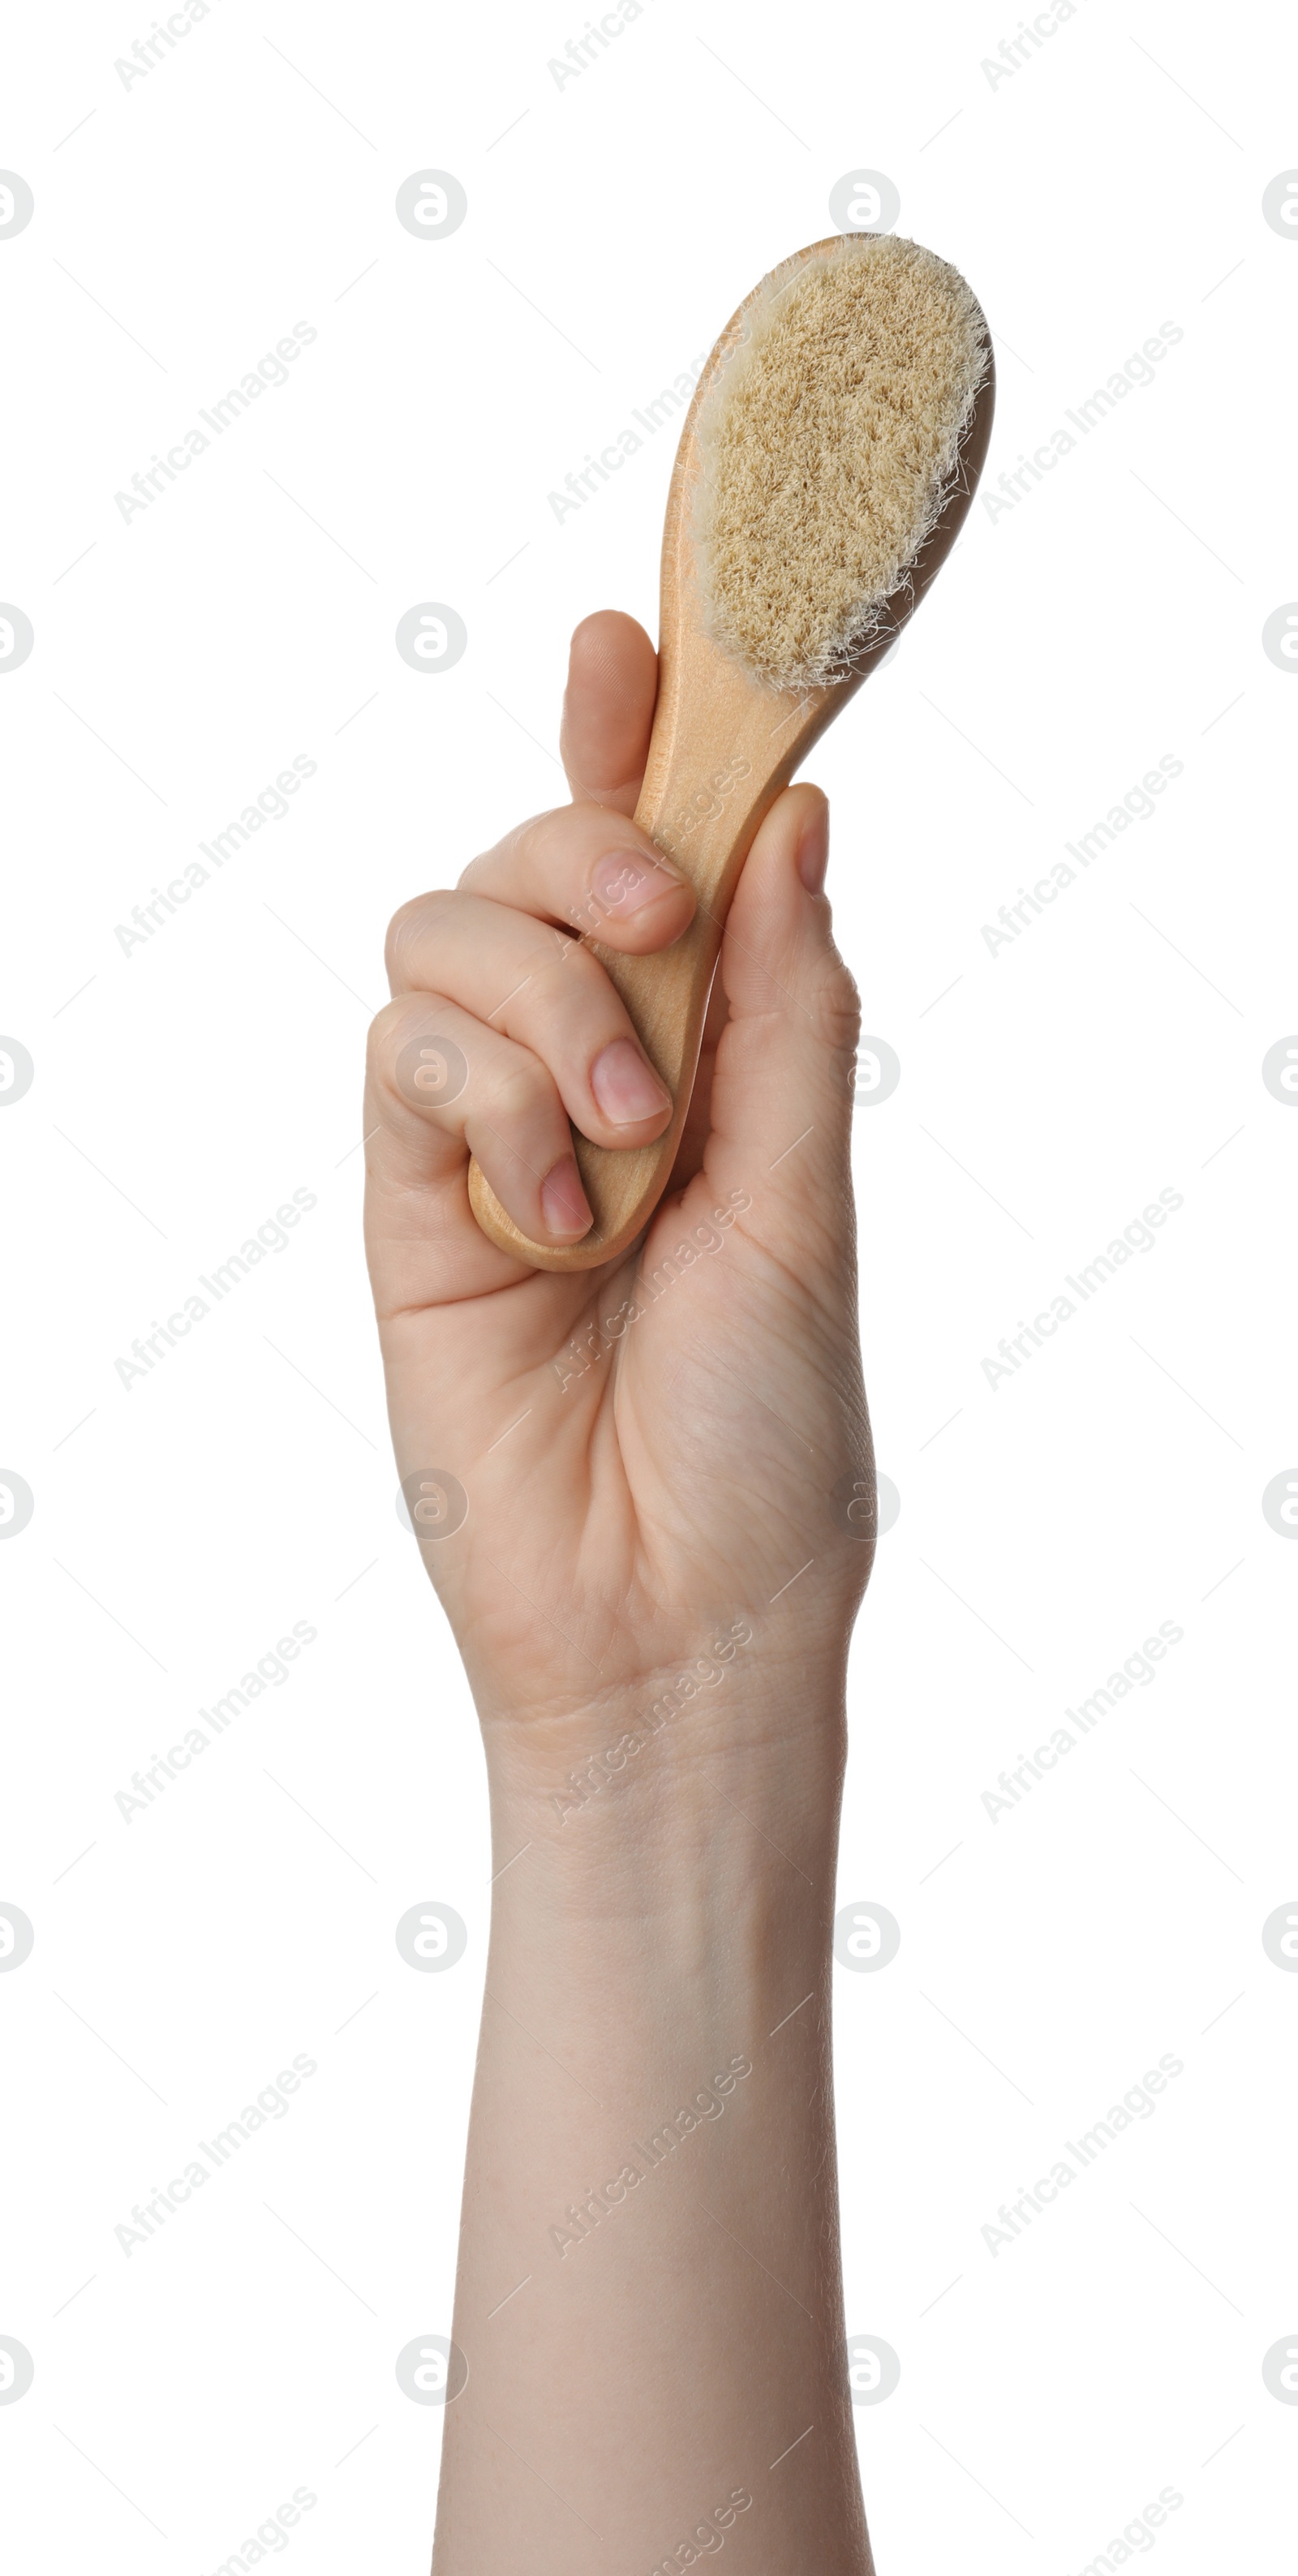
653 1589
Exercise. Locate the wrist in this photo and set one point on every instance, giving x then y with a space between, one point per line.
666 1721
705 1829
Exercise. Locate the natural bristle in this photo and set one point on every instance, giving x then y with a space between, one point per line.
829 440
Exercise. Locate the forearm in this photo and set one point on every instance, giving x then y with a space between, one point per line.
649 2294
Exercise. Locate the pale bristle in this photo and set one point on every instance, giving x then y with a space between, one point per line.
830 438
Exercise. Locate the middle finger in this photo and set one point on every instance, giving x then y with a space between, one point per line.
546 991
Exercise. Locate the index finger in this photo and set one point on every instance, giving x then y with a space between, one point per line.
608 710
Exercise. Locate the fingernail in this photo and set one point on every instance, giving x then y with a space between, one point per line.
563 1200
625 881
627 1089
813 850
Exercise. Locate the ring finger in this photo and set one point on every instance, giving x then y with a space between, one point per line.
440 1081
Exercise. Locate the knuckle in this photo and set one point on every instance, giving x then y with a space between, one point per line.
519 1090
573 967
397 937
573 837
384 1035
408 931
564 979
518 851
407 1016
538 834
836 1006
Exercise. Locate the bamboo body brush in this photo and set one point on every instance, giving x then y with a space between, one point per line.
827 460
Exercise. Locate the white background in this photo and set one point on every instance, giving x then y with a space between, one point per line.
1110 184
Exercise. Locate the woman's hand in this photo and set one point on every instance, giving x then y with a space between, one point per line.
622 1467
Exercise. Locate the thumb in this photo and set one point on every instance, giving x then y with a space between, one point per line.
782 1087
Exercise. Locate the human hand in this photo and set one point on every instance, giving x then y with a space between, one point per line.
649 1451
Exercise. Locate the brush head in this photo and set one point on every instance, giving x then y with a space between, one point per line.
829 439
